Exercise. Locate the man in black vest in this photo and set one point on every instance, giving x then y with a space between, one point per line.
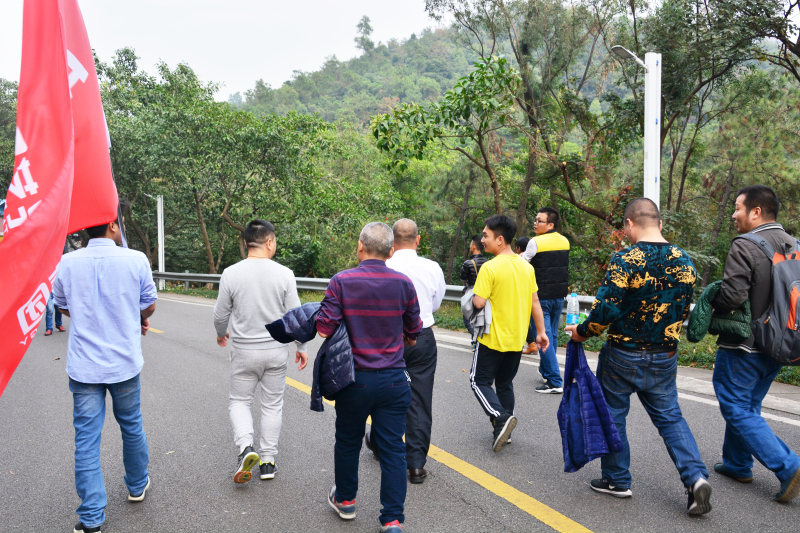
548 252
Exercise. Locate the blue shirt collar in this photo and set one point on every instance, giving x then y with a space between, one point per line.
100 241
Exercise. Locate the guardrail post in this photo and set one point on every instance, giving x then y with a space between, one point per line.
186 285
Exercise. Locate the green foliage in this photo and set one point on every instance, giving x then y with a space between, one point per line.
8 128
418 69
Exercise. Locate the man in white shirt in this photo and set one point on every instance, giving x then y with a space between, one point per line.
429 283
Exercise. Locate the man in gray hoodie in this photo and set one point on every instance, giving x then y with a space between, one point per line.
253 293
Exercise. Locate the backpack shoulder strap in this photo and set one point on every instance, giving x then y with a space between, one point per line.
474 264
761 242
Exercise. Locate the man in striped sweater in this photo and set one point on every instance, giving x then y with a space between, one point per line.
380 309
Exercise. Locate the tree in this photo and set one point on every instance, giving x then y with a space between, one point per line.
363 42
8 128
466 120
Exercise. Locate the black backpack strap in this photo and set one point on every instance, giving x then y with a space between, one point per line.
761 242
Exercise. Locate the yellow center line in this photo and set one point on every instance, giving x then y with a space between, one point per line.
154 330
533 507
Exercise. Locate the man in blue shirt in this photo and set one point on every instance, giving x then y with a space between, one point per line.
109 295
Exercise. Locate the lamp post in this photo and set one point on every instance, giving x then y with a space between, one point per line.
652 118
160 213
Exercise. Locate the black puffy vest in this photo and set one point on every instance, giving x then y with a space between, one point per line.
551 264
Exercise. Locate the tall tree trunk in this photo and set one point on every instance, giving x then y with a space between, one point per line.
242 247
723 204
204 231
522 209
221 249
461 219
148 251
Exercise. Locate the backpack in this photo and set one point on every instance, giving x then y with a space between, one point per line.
777 331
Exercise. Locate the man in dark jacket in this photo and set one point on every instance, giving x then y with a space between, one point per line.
548 252
643 301
742 375
380 309
471 267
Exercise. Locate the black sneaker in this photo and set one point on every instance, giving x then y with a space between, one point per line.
370 446
80 528
139 497
503 426
267 470
602 485
699 498
247 460
549 388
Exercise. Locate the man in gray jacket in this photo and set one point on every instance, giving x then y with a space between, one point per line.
742 375
253 293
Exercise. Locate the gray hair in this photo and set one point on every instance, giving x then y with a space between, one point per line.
377 239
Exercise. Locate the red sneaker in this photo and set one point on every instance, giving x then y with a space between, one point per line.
61 328
392 527
48 332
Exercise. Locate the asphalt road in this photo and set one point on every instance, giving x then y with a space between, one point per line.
185 408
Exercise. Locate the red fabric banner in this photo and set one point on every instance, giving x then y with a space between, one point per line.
58 113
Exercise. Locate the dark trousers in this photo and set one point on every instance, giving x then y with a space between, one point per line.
421 366
490 366
385 396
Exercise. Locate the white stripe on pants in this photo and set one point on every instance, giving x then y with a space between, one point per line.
248 369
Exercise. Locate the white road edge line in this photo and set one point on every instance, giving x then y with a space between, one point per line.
706 401
182 302
768 416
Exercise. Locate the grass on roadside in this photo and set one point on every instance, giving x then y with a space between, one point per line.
697 355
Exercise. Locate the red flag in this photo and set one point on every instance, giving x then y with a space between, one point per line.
94 195
47 197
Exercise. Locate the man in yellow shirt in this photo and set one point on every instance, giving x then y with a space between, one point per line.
508 283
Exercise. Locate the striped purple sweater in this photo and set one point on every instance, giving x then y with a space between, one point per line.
379 305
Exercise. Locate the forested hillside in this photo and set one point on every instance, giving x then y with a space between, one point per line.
518 105
415 69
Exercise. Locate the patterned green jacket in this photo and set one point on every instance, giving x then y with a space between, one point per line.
644 297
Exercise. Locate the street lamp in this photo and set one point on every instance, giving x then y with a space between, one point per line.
160 223
652 116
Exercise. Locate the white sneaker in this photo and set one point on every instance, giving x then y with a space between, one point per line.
699 497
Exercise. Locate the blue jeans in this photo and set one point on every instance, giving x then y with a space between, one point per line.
89 413
741 380
48 316
548 362
385 395
652 377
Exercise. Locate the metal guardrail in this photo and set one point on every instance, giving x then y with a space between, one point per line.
453 293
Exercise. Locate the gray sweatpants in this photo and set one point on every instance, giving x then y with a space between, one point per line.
249 368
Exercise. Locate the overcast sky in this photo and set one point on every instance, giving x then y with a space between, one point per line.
234 42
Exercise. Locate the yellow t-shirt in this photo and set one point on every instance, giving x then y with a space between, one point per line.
508 282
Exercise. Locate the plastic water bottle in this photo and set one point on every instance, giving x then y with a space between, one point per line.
573 310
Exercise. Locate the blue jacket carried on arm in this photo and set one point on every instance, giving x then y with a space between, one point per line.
333 367
587 429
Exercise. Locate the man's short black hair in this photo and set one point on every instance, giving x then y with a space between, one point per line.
763 197
477 241
552 215
522 243
502 225
96 232
643 212
258 232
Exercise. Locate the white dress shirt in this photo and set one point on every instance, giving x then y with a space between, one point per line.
530 250
428 280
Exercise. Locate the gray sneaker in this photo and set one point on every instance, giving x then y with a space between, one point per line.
247 460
